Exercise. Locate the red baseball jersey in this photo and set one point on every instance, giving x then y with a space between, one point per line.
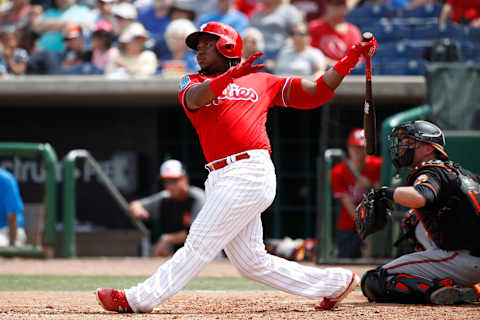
235 121
344 183
468 9
333 44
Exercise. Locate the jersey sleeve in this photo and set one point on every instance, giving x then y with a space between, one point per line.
11 200
428 182
152 203
185 83
280 98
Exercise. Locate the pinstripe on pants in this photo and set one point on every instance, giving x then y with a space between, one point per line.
230 219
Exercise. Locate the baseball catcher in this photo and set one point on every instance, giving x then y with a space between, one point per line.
371 214
442 224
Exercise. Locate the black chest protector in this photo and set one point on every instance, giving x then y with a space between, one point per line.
453 220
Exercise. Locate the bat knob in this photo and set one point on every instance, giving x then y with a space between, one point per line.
367 36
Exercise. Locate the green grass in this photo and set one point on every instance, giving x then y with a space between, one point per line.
89 283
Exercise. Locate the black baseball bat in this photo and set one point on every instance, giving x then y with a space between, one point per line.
369 114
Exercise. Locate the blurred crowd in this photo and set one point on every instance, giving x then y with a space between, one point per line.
141 38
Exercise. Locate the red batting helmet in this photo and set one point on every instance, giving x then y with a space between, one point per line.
229 43
356 138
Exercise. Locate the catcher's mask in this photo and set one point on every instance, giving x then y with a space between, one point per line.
404 141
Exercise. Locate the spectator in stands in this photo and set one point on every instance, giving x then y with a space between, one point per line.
102 41
207 6
125 14
103 11
253 42
349 189
53 23
170 213
12 232
155 18
275 21
226 13
183 9
75 48
298 58
133 59
248 7
14 59
40 61
18 15
461 11
182 60
311 9
332 34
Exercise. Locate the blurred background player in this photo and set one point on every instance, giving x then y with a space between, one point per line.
170 212
12 232
349 189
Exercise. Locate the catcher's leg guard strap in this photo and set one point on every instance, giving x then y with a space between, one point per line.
378 285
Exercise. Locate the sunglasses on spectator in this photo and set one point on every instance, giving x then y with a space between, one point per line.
300 33
170 180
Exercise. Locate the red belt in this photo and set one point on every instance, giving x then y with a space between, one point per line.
219 164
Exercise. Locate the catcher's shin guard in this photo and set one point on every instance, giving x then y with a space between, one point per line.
378 285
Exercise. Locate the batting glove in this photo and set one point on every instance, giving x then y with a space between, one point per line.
218 84
246 67
351 58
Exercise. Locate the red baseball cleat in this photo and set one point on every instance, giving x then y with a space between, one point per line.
113 300
330 304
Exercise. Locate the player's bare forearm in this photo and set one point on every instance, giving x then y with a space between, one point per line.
177 238
198 95
348 203
409 197
12 228
332 79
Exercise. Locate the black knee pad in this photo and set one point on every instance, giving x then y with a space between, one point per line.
380 286
373 285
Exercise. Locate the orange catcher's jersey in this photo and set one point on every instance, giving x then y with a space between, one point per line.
235 121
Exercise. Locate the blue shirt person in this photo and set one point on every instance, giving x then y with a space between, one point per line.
11 208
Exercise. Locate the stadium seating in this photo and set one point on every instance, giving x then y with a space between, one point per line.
429 10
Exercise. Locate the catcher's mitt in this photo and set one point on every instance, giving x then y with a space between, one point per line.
371 213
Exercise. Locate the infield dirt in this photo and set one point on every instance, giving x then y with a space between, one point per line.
194 304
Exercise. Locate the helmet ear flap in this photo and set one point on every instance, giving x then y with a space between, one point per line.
225 47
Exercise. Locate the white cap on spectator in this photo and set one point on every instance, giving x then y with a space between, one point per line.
108 1
133 31
125 10
171 169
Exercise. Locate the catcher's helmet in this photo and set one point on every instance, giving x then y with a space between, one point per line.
418 130
229 42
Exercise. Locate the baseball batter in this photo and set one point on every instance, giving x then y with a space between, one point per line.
444 223
227 103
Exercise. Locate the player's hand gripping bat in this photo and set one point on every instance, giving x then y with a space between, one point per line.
369 121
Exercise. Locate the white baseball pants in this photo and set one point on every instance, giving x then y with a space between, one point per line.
230 219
